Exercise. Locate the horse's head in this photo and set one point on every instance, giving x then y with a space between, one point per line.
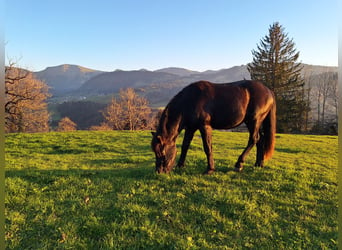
165 152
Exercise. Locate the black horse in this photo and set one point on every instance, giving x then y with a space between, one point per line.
203 105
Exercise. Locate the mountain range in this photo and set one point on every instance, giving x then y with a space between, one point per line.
81 93
65 78
158 86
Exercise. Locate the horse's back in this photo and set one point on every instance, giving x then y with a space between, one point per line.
220 105
230 91
244 84
225 105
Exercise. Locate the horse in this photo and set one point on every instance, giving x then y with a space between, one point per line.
205 106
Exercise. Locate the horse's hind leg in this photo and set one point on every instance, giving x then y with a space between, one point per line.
260 144
253 128
189 134
260 151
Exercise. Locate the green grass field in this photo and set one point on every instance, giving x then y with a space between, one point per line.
98 190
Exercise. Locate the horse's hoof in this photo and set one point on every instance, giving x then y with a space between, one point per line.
257 164
238 169
209 172
180 166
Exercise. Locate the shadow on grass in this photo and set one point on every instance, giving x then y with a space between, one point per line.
49 176
145 172
289 150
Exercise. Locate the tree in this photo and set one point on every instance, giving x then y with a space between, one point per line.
129 112
324 89
334 94
325 97
102 127
275 63
25 101
66 124
114 116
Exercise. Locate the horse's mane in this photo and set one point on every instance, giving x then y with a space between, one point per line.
171 117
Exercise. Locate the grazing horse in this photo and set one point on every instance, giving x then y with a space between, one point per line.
204 105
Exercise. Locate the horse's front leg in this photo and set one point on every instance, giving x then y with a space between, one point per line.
189 134
206 132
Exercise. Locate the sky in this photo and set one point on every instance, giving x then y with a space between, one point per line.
152 34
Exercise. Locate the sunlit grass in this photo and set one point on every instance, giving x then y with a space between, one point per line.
98 190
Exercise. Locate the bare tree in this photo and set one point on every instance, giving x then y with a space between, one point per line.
25 101
66 124
325 87
324 96
334 94
102 127
114 115
129 112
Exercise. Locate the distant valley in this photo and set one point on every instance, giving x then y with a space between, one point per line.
80 93
76 82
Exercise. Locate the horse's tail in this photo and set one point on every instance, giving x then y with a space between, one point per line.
269 126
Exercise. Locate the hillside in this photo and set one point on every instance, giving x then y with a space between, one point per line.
73 80
75 83
79 81
98 190
310 70
111 82
178 71
65 78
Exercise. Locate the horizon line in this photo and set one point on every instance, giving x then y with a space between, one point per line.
169 67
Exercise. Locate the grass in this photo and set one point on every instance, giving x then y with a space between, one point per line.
98 190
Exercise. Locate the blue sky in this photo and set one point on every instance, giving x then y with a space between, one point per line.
153 34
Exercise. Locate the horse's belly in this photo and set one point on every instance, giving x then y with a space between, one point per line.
217 125
227 121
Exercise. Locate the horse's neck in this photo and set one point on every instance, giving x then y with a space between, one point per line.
171 126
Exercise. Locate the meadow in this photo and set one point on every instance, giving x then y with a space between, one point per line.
98 190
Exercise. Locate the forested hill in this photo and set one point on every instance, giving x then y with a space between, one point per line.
71 84
73 80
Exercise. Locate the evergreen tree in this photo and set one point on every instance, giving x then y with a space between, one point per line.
275 64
